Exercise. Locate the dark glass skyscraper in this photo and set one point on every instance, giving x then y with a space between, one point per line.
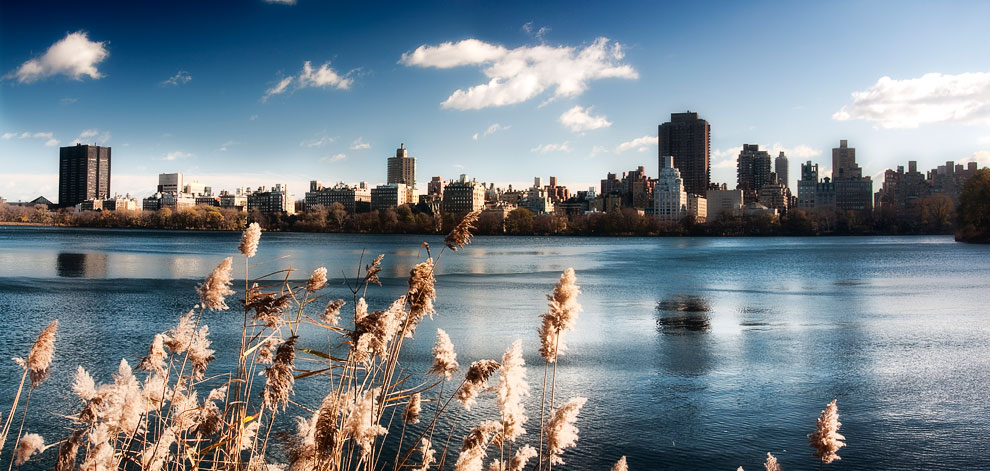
83 174
687 138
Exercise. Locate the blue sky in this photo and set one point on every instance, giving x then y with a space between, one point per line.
500 91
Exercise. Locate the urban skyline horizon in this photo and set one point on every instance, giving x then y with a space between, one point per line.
480 89
522 184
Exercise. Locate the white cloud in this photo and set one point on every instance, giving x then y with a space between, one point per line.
985 140
322 77
73 56
494 128
49 137
641 144
517 75
253 117
537 33
799 151
281 2
334 158
225 145
725 158
87 134
181 77
177 155
598 150
320 142
544 148
579 119
359 144
981 157
68 100
278 89
931 98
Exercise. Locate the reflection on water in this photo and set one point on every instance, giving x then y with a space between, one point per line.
682 314
81 265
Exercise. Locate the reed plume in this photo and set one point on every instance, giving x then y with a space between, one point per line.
278 376
217 286
69 450
427 453
317 280
324 430
40 357
29 445
473 453
361 424
155 361
267 307
200 354
826 439
421 294
522 456
620 465
300 447
249 240
561 315
461 235
444 357
331 314
374 331
771 463
511 388
413 408
371 271
474 381
561 432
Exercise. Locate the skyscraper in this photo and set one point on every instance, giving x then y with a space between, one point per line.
844 162
853 191
752 171
780 166
83 174
669 197
687 138
402 168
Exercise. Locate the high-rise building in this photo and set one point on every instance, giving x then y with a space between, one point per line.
807 185
83 174
669 198
752 171
687 138
170 183
463 196
844 162
388 196
780 167
402 168
853 191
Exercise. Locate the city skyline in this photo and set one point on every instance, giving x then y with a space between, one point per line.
331 92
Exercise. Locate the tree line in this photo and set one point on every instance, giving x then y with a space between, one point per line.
935 214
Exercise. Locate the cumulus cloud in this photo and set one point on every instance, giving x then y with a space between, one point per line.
640 144
49 137
180 78
725 158
800 151
494 128
931 98
544 148
322 77
88 135
579 119
319 142
517 75
359 144
74 56
981 157
177 155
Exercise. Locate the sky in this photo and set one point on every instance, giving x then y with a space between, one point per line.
254 92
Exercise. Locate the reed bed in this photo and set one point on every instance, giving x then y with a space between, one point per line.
170 412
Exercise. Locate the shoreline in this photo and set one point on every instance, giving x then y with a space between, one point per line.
593 236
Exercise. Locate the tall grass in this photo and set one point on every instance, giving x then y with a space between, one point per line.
172 413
